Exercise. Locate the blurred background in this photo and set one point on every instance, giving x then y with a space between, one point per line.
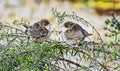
94 11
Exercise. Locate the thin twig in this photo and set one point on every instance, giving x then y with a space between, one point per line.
11 27
10 42
94 60
16 35
69 61
59 67
74 17
92 27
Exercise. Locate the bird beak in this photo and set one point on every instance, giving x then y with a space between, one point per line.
48 27
63 28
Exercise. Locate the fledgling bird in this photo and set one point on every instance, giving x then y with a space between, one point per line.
46 29
39 31
44 23
74 33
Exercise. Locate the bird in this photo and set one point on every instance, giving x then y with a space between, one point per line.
46 28
74 33
39 31
43 23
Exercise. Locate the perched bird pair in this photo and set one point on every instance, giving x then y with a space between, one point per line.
74 33
39 31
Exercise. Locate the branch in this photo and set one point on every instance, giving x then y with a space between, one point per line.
94 60
59 67
16 35
99 44
73 16
7 46
92 27
11 27
69 61
95 44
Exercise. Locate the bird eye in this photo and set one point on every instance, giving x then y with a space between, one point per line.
44 22
36 24
66 26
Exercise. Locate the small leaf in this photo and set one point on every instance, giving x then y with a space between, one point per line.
107 21
0 25
75 53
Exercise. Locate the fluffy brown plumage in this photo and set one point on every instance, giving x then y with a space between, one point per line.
43 23
38 31
74 32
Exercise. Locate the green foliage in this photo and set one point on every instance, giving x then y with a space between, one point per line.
36 57
113 26
60 16
113 23
17 53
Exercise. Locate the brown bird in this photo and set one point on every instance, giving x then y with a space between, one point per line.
43 23
74 33
38 31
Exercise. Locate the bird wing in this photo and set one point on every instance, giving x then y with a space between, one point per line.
78 35
80 30
34 33
74 34
44 32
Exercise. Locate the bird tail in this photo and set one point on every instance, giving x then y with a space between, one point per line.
89 34
86 33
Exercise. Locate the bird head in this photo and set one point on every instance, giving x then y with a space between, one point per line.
42 23
67 25
45 23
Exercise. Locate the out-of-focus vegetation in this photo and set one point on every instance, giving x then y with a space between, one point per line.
105 6
113 26
19 54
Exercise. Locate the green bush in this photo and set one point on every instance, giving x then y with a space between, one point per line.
17 53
